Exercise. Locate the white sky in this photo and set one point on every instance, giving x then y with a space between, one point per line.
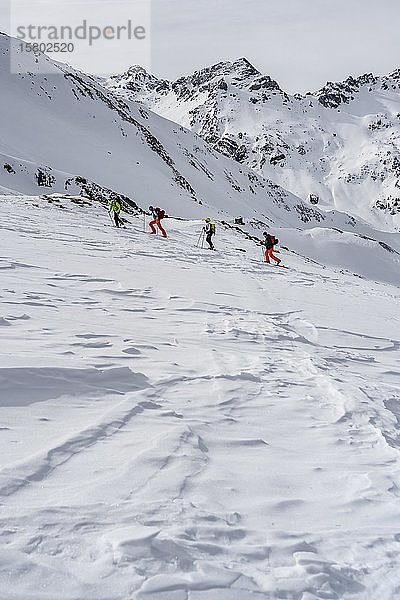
301 43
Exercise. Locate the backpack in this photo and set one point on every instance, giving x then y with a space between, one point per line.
161 213
115 206
213 228
270 241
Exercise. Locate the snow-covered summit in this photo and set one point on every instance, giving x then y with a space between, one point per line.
333 95
137 79
239 73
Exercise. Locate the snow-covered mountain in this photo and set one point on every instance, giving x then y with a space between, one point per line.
63 132
341 143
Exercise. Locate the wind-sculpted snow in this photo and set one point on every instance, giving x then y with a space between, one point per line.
180 424
24 386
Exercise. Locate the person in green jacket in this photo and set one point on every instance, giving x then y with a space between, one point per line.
115 208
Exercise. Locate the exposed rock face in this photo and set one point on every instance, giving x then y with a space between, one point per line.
44 177
47 177
332 95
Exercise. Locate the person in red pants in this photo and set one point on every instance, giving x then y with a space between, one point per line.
158 214
269 243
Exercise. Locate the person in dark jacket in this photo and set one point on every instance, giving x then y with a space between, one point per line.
209 230
269 242
158 214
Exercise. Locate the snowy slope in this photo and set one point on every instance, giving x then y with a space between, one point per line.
177 424
341 143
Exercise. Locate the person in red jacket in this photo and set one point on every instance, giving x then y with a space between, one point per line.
269 243
158 214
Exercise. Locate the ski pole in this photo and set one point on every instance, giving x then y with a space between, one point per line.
144 222
201 239
200 236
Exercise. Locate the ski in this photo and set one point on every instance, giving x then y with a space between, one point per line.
280 265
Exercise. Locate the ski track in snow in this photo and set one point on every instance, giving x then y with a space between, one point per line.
177 424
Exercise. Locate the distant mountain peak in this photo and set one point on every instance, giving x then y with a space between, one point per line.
137 70
238 69
137 79
333 94
243 64
239 73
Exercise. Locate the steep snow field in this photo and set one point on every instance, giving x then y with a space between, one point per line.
177 424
